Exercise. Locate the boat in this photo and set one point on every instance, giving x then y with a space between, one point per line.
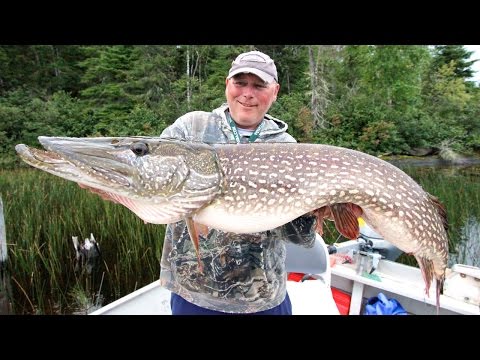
461 292
342 279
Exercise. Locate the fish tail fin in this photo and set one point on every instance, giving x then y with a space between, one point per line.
427 268
439 290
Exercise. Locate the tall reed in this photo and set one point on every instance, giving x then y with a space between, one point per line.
458 188
42 213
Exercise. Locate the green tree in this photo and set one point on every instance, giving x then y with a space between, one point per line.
458 56
106 79
376 95
448 98
44 69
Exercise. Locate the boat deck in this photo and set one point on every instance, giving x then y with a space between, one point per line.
408 289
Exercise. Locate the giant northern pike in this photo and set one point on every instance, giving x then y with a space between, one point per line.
247 188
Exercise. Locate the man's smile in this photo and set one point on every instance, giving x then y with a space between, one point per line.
246 105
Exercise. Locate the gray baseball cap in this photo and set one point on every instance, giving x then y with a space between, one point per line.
254 62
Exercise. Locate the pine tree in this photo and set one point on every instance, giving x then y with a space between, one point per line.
445 54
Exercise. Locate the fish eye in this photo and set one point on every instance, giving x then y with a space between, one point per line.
139 148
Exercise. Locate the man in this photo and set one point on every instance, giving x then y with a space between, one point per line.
243 273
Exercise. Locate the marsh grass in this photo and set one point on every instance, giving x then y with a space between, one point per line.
42 213
458 188
467 250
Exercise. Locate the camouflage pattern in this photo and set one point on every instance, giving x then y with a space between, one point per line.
243 273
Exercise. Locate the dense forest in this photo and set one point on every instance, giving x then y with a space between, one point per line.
377 99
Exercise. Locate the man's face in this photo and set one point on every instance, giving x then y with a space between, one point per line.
249 99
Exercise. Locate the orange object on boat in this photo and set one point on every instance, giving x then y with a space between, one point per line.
342 300
294 276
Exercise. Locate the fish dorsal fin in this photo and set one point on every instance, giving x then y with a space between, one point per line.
440 208
345 216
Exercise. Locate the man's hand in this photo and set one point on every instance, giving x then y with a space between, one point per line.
300 231
103 194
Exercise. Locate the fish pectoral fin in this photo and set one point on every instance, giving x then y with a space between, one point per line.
193 232
201 229
345 216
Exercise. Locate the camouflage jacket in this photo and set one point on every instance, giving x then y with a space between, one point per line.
243 273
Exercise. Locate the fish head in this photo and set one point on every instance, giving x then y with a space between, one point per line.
149 170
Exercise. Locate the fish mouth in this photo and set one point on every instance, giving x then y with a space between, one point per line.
39 156
96 162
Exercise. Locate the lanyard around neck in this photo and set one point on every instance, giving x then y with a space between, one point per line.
236 134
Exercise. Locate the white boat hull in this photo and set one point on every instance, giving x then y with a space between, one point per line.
314 297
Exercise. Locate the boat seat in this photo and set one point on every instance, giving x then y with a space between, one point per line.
462 283
472 271
314 260
312 296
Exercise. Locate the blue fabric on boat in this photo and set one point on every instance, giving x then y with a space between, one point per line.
380 305
180 306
